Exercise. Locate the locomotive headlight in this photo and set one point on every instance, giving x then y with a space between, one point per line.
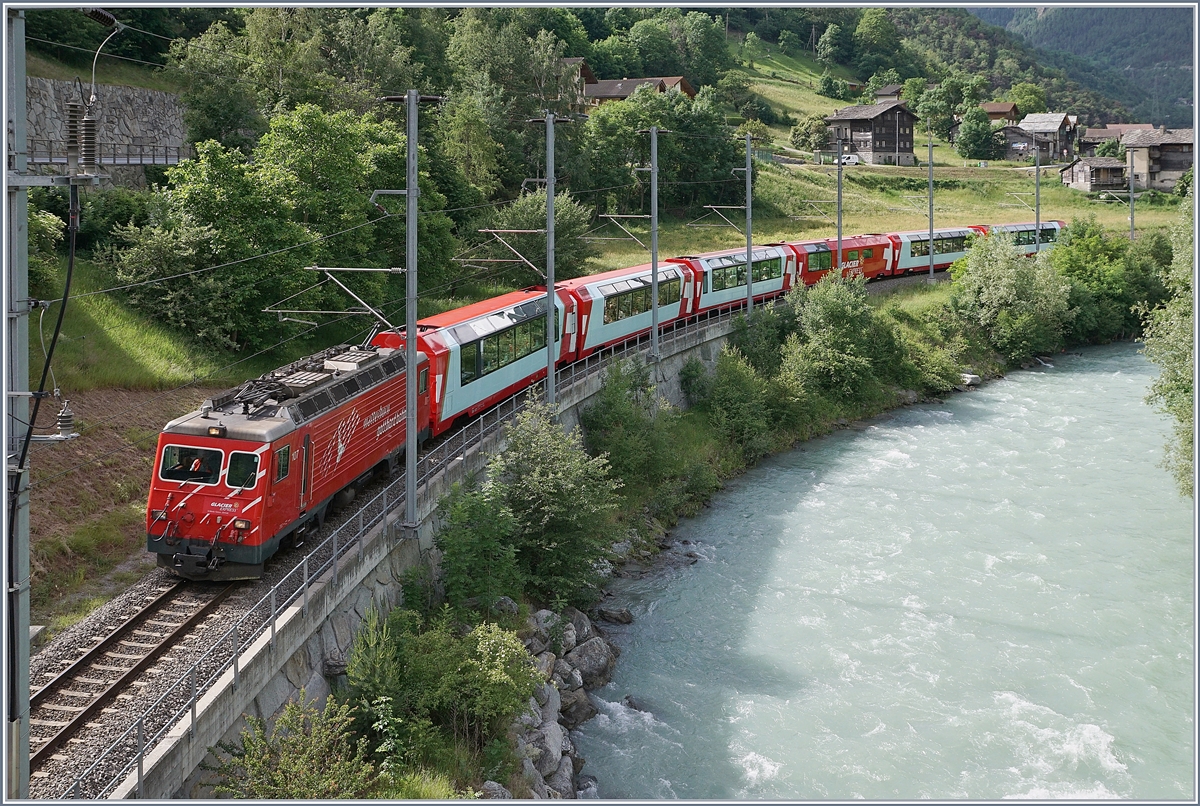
158 514
216 430
241 523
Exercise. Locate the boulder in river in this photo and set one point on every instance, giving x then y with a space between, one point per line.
594 659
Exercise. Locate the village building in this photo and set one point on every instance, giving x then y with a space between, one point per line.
1158 158
619 89
1091 174
1093 136
1001 111
888 92
1055 134
1018 143
880 134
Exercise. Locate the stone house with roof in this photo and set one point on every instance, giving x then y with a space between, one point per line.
880 134
1158 158
1091 174
1092 136
1055 134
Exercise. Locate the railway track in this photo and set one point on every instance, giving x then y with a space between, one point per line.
94 681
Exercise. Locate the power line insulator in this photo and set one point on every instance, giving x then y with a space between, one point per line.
74 117
87 141
100 15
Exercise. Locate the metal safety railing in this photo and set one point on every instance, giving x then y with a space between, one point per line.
158 718
41 151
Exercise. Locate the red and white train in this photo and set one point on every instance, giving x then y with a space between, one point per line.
264 462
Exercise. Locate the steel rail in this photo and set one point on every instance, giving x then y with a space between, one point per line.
114 687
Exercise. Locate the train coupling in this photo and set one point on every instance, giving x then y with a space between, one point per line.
193 566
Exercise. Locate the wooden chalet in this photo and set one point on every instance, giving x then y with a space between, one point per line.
880 134
1055 134
1091 174
1001 111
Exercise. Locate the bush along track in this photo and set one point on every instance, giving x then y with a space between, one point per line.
473 686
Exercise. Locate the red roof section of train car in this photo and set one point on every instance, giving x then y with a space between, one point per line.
477 309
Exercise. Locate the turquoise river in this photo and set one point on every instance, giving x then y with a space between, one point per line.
990 598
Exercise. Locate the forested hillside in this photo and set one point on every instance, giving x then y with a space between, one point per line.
1140 55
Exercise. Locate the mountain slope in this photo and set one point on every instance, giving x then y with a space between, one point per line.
1150 48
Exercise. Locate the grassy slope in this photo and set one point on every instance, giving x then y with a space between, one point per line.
109 70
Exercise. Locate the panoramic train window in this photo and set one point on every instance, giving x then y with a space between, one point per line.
243 470
730 271
1049 234
919 249
283 458
184 463
942 246
631 303
500 349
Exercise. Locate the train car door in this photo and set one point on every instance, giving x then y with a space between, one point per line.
284 499
306 477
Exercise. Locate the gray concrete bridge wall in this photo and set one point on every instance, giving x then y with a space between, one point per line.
274 668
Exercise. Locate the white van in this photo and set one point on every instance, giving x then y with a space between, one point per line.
849 159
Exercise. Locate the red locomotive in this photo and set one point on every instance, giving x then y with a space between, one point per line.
262 464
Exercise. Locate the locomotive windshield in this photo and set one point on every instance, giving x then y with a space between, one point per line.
243 470
186 463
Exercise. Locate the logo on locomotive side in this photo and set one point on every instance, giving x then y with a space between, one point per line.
342 434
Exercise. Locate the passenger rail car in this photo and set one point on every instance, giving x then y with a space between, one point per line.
264 462
485 352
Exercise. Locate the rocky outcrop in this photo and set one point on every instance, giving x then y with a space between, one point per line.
549 764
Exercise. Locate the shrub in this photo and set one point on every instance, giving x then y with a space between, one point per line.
478 557
737 406
694 381
1020 303
639 434
307 754
424 686
760 337
562 502
45 234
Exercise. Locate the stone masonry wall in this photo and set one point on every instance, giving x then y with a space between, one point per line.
127 116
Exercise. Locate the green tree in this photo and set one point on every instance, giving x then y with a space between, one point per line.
657 50
829 86
789 43
1168 337
1022 305
914 88
528 212
214 106
756 129
1111 148
737 406
753 49
976 139
615 57
1029 98
810 134
219 208
832 46
562 501
478 558
692 164
308 753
